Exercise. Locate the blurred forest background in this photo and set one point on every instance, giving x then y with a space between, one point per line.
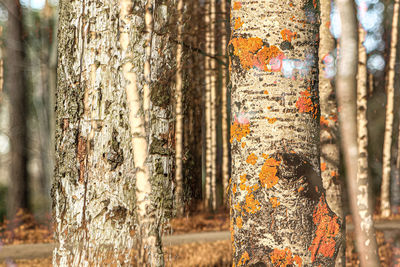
28 61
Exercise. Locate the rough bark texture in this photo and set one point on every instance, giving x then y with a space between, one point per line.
207 107
100 44
387 145
330 155
15 81
279 215
346 93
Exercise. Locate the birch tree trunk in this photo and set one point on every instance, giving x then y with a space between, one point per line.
15 81
207 100
346 93
224 103
279 213
101 63
330 154
387 145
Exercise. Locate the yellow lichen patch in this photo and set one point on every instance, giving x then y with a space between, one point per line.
237 207
238 23
237 5
245 257
288 35
268 172
328 228
234 188
274 201
243 144
305 104
243 180
284 257
252 159
239 130
252 53
239 222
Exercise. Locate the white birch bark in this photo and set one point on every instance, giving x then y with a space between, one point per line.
387 145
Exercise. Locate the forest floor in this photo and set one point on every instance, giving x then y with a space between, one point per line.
198 240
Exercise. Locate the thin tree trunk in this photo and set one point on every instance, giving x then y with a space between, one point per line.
386 164
1 65
18 191
346 93
213 110
330 154
279 214
224 105
179 113
207 100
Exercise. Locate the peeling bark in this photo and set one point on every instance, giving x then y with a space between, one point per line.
279 213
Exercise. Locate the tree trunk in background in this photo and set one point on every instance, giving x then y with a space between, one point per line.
386 164
224 103
18 192
279 214
207 100
1 65
179 114
93 193
213 109
330 154
346 93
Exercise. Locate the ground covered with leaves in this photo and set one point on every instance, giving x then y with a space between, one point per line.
194 254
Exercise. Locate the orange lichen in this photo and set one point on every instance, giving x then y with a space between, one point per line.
242 182
234 188
265 92
239 222
327 229
271 120
265 156
252 159
284 257
237 207
305 104
239 130
237 5
252 205
268 172
245 257
288 35
252 53
334 174
243 144
323 166
238 23
324 122
274 201
301 188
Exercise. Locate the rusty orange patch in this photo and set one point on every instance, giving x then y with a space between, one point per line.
324 122
327 229
271 120
245 257
265 92
284 257
323 166
239 222
288 35
237 5
274 201
252 205
238 23
239 130
243 144
268 172
305 104
252 159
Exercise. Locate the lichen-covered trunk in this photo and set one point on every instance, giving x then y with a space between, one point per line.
330 155
387 145
279 213
224 102
346 88
16 86
101 52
